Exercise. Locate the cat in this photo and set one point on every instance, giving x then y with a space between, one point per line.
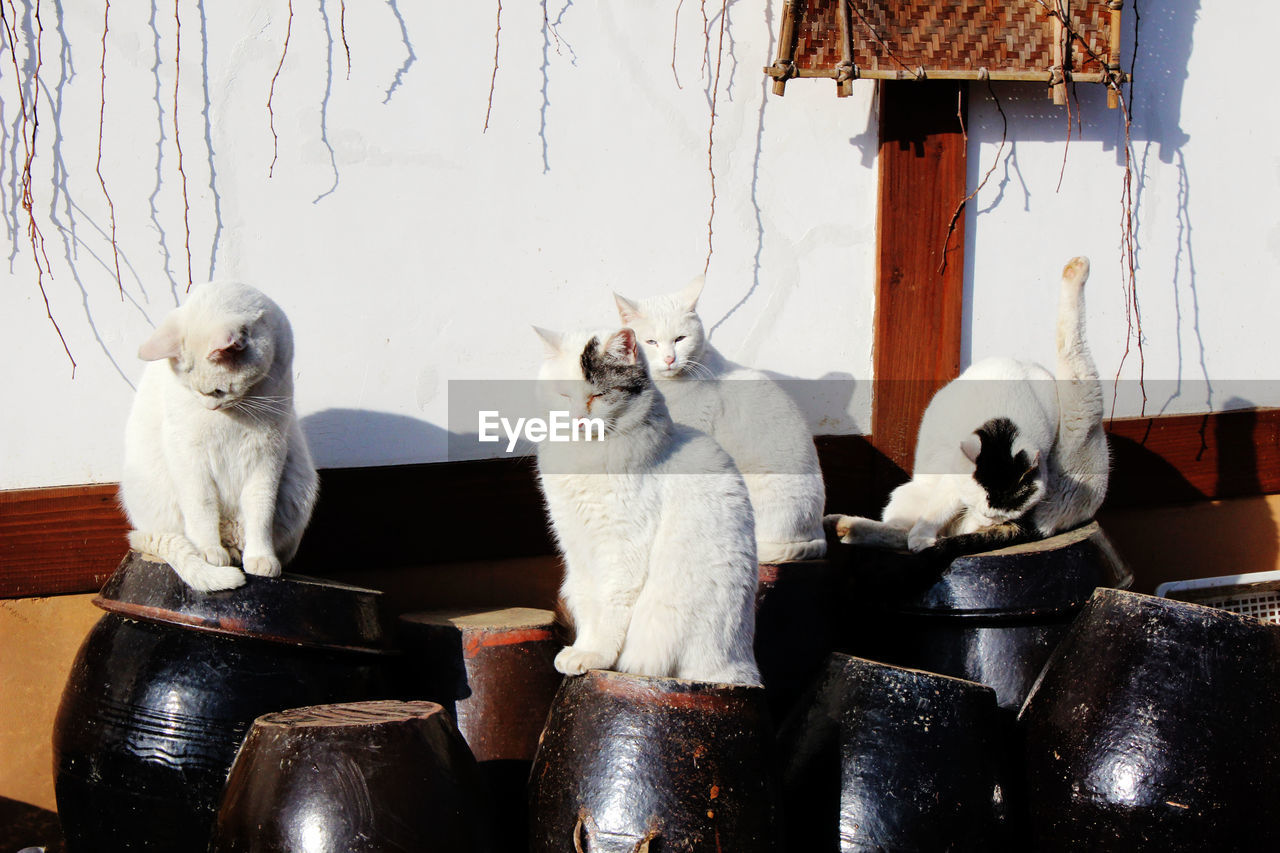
653 521
216 468
748 414
1006 453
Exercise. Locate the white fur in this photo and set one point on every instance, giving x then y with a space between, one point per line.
1059 423
747 413
655 527
216 468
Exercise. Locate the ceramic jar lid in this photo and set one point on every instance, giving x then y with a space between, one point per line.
290 609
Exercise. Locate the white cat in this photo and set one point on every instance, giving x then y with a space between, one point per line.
216 468
747 413
1005 452
653 520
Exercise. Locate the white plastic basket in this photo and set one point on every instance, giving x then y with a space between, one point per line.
1256 594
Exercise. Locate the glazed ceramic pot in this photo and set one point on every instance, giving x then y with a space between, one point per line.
630 763
361 777
993 618
797 605
494 672
1156 726
167 683
878 757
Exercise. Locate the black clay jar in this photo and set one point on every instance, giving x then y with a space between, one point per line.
1156 726
168 682
877 757
359 777
629 763
797 607
993 618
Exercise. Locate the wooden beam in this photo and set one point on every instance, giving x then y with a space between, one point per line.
919 299
69 539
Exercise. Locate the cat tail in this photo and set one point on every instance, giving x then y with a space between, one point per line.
1001 535
1080 460
790 552
186 562
856 530
1074 361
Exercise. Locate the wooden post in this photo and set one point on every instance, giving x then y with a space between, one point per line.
918 301
786 45
1113 52
1060 53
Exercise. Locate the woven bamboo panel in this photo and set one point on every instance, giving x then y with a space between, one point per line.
904 39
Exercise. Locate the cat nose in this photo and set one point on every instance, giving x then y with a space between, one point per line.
670 359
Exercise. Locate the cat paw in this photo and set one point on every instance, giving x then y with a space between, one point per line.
1076 271
575 661
917 542
214 578
216 555
839 525
265 565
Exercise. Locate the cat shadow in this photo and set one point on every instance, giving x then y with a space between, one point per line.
342 437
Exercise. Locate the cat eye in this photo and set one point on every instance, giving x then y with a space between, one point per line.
652 343
679 339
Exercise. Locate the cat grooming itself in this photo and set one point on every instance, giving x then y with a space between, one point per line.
653 521
747 413
1006 452
216 469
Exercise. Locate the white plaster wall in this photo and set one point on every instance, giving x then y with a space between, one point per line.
409 247
1206 171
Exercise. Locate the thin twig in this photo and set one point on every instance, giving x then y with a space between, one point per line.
711 133
271 114
675 35
1004 136
29 129
342 26
493 81
102 110
177 139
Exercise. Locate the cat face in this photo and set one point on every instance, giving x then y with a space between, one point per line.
1008 479
668 329
220 344
596 375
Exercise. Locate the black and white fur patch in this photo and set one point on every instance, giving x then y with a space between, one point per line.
1008 478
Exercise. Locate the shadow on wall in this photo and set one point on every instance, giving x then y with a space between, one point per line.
343 438
1166 527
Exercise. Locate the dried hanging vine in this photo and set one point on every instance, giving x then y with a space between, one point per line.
1004 136
493 81
102 111
177 138
29 129
1128 244
271 94
711 129
342 27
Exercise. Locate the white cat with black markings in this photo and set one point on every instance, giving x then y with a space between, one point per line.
216 468
653 521
746 412
1006 452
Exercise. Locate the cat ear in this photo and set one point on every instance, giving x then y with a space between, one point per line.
551 340
165 342
971 447
689 295
224 346
627 310
622 346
